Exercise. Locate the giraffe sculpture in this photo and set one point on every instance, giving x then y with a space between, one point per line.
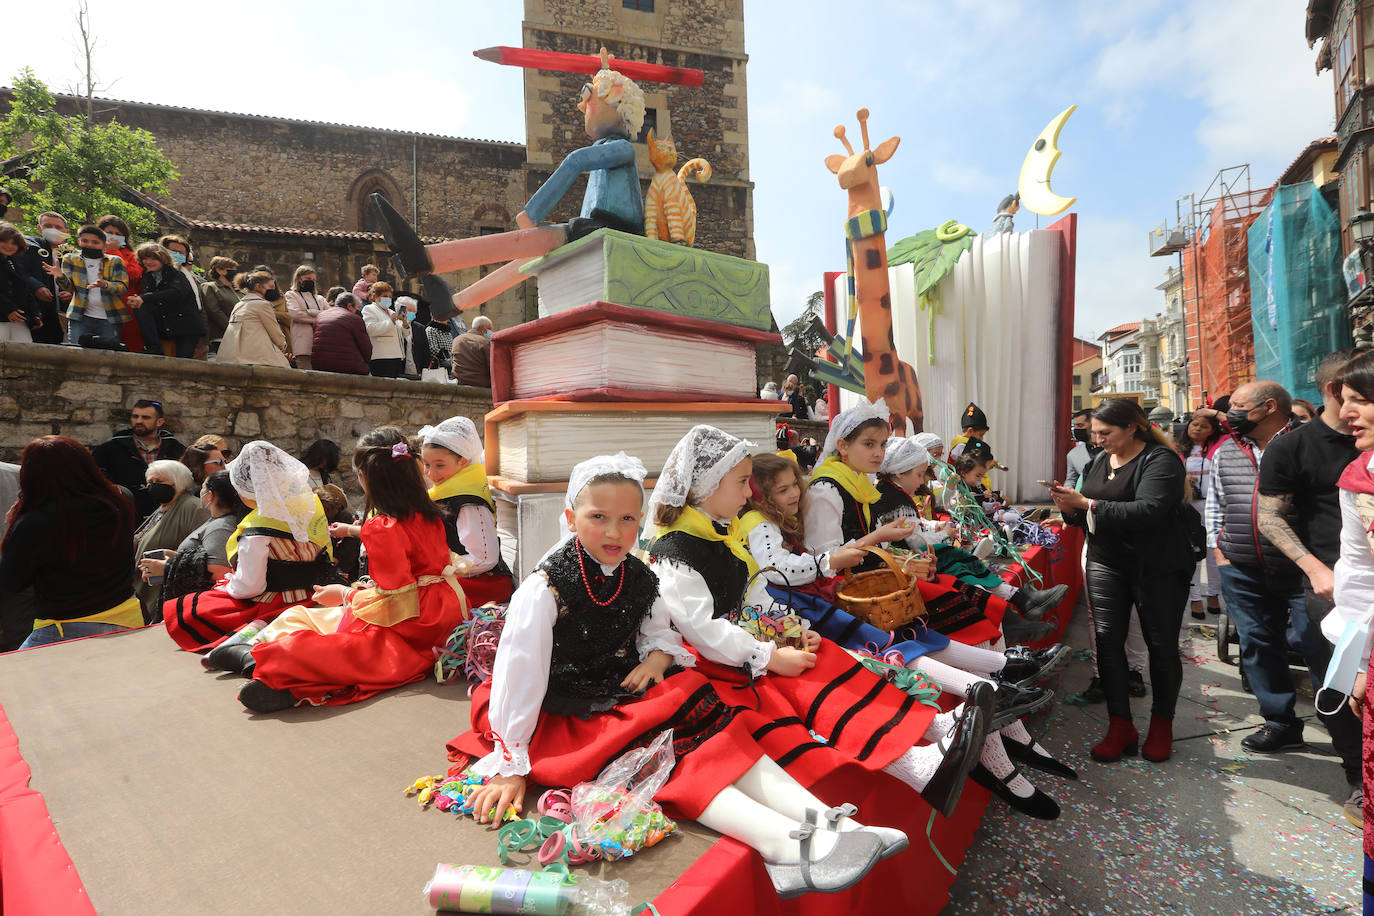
885 376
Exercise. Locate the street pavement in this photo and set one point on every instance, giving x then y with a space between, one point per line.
1214 830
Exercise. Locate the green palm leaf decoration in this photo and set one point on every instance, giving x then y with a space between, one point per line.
932 254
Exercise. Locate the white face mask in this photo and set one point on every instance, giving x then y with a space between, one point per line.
114 241
55 236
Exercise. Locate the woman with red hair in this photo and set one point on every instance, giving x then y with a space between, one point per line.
70 538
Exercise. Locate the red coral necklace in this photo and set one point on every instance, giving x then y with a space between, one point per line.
582 567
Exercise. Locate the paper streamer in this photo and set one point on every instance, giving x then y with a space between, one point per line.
490 889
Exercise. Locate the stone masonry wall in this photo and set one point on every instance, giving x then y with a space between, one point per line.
86 394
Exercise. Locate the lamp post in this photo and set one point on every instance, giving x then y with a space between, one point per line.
1362 231
1362 227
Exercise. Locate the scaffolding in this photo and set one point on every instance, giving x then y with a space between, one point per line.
1216 287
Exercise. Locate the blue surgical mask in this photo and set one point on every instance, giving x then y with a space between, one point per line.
114 241
410 316
385 302
178 258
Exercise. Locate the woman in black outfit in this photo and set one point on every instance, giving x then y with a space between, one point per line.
1131 501
71 537
168 293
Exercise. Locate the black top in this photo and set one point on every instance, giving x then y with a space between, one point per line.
594 647
1120 487
15 295
1306 463
99 579
726 575
852 526
1144 524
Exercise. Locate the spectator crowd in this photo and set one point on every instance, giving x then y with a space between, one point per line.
98 288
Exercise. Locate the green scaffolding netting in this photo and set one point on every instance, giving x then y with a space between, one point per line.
1297 296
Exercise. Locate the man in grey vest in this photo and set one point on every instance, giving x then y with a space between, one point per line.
1263 589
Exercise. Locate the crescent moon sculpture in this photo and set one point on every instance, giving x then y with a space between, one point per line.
1034 183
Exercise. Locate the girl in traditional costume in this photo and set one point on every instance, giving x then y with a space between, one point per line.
280 552
589 667
773 529
826 709
452 455
357 642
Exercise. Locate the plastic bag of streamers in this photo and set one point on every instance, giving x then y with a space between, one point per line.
491 889
616 811
470 649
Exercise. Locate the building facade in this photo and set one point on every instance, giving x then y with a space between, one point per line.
1121 364
1164 350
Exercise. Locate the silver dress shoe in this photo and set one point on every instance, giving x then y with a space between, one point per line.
894 840
855 852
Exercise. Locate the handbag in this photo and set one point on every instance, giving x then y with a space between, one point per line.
438 376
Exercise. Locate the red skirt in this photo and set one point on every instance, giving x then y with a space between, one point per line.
961 611
711 741
360 659
835 714
480 590
203 620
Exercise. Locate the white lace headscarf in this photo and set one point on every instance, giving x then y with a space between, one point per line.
902 455
458 435
586 471
695 467
849 420
278 483
929 441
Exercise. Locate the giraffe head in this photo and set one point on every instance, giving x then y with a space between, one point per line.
858 171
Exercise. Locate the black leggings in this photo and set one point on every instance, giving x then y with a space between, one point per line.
1159 598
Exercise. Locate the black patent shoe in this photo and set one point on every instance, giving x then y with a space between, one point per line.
236 659
1040 600
1092 694
440 297
258 697
1020 632
1135 683
408 252
855 853
1270 740
962 747
1038 805
1027 754
1014 702
1027 667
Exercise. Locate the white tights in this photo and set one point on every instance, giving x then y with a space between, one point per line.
763 806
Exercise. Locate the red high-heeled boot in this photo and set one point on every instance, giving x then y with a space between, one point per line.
1122 738
1159 743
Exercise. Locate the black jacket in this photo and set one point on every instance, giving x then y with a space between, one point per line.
168 293
1152 523
118 457
30 262
100 579
14 291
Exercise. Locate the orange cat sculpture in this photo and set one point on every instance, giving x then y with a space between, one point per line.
670 213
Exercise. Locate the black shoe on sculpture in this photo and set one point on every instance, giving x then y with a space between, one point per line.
440 297
408 252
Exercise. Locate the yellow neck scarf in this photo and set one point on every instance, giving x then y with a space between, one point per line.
855 484
318 532
470 481
697 524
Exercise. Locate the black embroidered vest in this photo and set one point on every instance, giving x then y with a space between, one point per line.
852 525
893 503
726 575
295 575
593 646
452 506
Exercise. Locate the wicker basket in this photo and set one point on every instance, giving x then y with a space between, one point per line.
887 598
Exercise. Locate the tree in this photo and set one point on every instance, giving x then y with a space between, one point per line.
800 336
75 165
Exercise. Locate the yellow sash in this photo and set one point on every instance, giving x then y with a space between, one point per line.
318 531
470 481
855 484
695 522
126 614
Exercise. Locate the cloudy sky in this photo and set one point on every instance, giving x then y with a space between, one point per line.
1168 93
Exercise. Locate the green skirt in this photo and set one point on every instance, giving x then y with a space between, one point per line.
964 566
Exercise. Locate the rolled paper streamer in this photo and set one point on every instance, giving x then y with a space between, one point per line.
445 888
510 890
244 635
550 894
479 884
